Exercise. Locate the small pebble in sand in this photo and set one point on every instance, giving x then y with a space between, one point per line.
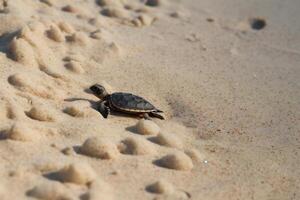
78 173
116 172
66 27
22 52
257 23
21 132
177 161
169 140
55 34
195 155
153 2
50 191
75 67
137 146
99 148
147 127
176 14
161 187
40 113
209 19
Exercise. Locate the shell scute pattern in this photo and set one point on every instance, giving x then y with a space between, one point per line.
127 101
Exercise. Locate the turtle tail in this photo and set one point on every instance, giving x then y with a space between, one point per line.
159 111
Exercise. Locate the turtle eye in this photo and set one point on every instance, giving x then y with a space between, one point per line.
95 89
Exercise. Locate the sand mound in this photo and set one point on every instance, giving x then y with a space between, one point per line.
50 191
115 12
81 109
71 9
161 187
137 146
41 113
79 173
100 190
99 148
143 20
177 161
147 127
132 13
75 67
21 132
55 34
22 52
66 27
34 85
169 140
80 38
195 155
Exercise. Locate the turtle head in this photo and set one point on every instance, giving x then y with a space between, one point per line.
99 91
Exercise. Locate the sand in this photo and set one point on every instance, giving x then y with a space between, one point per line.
225 75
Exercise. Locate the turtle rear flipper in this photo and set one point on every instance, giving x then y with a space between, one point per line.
155 114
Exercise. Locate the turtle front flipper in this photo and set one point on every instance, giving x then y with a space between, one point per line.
155 114
103 109
145 116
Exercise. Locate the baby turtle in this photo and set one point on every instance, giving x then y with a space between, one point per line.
124 102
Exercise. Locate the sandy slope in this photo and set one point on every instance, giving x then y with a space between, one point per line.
230 96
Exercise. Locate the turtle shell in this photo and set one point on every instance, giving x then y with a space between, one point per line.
130 103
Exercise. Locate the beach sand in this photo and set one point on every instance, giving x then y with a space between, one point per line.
226 76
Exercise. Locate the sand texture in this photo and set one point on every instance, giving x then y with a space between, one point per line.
226 75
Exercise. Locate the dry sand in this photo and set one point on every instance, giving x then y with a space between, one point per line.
225 73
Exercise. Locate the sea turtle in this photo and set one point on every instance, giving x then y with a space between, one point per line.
124 102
